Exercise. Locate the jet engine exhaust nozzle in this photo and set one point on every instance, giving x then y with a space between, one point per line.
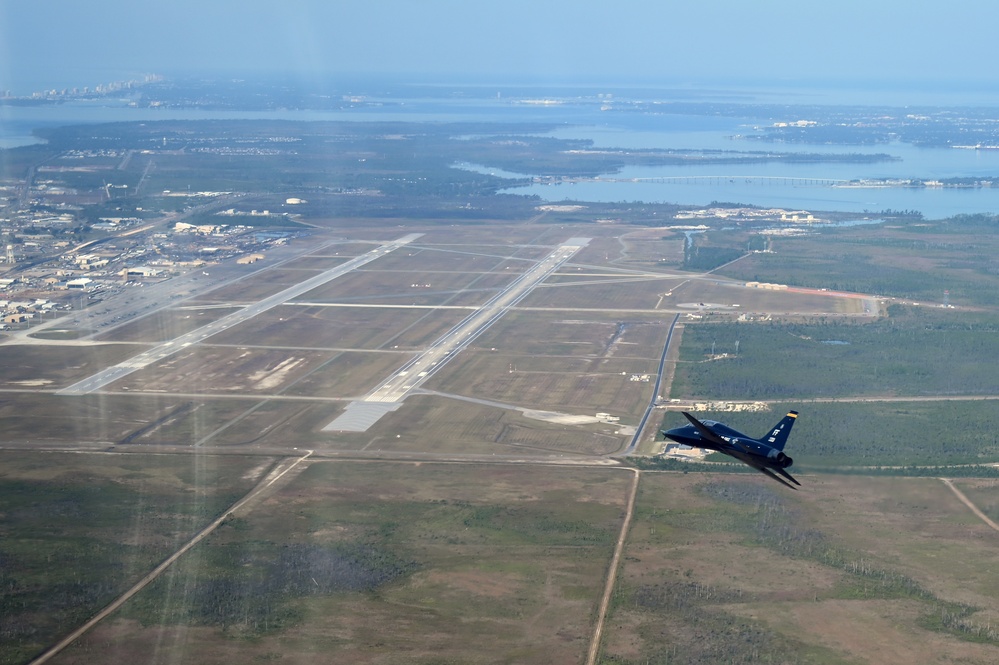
783 460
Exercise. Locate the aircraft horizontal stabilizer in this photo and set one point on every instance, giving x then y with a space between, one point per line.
788 476
780 480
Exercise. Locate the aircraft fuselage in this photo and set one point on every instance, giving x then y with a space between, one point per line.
764 454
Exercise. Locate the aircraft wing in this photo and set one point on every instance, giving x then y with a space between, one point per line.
756 464
778 478
720 444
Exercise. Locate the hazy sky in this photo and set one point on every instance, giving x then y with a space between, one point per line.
53 43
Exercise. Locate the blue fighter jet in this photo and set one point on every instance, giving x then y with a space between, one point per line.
764 454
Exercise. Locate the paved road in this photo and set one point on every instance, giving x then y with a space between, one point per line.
655 391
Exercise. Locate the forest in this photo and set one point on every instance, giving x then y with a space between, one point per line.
910 391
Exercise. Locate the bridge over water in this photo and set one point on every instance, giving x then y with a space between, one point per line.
760 180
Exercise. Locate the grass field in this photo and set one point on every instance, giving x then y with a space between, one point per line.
45 419
342 327
983 494
261 285
78 529
737 570
423 563
443 426
204 369
165 325
581 386
38 366
913 352
918 261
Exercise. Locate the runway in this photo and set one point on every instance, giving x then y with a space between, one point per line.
360 415
155 354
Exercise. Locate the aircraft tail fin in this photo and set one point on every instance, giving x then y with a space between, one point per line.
777 436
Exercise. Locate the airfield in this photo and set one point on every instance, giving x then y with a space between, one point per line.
420 434
397 327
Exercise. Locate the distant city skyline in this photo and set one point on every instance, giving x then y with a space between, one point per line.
68 44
